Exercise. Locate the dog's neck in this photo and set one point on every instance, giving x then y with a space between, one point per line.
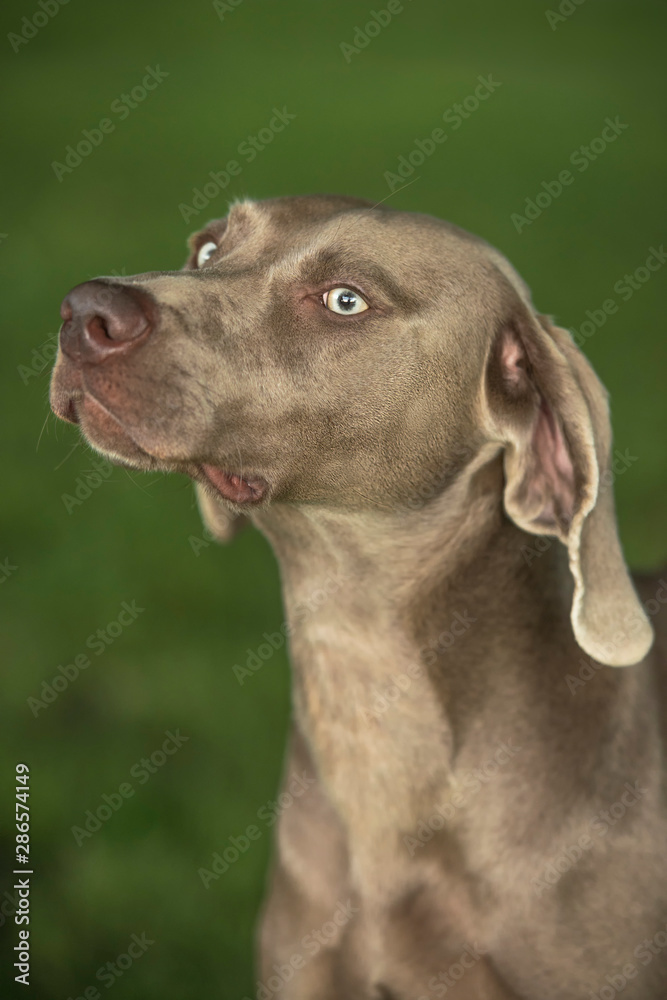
415 570
450 588
422 642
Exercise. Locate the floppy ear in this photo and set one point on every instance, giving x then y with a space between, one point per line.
549 410
222 522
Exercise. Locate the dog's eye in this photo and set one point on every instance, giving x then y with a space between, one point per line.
344 301
206 251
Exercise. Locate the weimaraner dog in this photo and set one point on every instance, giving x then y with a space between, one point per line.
479 705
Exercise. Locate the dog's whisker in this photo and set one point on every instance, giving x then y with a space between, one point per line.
392 193
46 420
479 580
76 445
128 473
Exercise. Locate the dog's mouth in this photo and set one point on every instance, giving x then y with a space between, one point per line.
102 429
110 436
233 487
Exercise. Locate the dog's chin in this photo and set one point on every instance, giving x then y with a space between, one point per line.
102 430
107 434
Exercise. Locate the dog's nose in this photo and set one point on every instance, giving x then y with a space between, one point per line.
101 319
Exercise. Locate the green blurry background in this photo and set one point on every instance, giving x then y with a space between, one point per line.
132 537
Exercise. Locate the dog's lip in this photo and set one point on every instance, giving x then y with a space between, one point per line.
75 406
234 487
69 411
64 404
240 489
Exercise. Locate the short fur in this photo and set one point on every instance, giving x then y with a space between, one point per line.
487 817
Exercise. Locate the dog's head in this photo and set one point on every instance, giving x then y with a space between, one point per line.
323 350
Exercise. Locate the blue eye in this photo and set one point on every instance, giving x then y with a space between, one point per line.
206 251
344 301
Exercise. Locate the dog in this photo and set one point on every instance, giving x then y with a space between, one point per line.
479 698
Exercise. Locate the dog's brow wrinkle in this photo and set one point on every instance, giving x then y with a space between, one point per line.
333 263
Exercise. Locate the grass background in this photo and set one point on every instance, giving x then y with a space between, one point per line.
132 538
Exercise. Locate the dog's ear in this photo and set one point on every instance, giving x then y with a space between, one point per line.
220 520
545 404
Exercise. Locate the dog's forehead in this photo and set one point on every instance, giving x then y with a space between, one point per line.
351 222
328 223
294 230
284 217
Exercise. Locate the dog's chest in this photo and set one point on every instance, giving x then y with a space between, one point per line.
376 732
